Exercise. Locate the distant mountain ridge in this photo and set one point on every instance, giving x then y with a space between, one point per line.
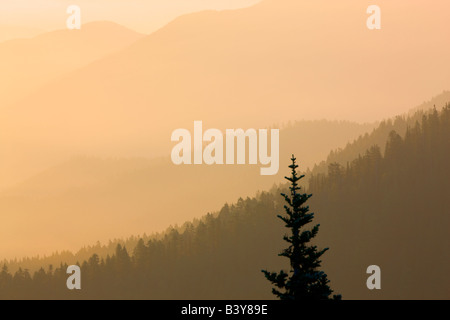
28 64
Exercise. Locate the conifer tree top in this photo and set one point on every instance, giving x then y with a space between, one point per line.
304 281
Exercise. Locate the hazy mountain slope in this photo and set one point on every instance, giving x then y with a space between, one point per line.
273 62
438 101
379 136
136 195
27 64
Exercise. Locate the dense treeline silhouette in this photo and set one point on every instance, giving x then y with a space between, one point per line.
102 250
386 209
393 211
379 136
203 261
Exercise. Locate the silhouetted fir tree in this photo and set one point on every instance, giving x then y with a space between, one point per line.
305 280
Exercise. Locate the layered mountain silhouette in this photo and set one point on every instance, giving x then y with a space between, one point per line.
28 64
243 68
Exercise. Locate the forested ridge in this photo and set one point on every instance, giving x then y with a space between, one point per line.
391 208
378 136
388 207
